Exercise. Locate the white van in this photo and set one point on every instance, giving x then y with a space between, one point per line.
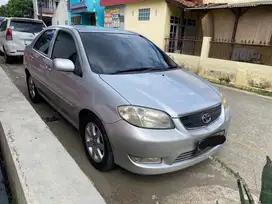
16 33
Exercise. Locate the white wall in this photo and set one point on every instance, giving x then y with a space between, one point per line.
61 14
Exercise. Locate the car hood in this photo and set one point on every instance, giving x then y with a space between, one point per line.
176 92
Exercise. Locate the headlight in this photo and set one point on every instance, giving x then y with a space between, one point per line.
145 117
224 101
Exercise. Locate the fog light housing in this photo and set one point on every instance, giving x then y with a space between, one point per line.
148 160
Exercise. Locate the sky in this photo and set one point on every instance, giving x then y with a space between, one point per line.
3 2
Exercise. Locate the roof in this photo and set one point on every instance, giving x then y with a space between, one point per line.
95 29
187 3
236 5
24 19
182 3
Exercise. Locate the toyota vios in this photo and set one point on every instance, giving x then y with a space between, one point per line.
132 104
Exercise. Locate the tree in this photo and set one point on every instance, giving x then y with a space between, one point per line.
19 8
3 10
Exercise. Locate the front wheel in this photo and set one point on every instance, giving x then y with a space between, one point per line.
97 145
32 90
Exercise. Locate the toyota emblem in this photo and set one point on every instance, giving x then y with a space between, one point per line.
206 118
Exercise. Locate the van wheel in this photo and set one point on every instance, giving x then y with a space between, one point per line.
96 144
32 90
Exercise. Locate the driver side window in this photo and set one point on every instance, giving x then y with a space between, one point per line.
65 48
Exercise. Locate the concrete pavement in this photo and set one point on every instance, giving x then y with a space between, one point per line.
245 151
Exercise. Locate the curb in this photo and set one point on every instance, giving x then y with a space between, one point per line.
39 168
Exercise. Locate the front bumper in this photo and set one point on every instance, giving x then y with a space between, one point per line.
166 144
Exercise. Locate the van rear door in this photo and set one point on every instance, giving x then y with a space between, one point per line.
24 31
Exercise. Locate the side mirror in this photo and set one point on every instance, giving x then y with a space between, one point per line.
64 65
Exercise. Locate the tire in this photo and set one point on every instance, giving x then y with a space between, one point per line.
8 59
32 90
97 146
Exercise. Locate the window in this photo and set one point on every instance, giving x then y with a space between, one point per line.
3 26
144 14
76 20
65 48
43 43
27 26
109 53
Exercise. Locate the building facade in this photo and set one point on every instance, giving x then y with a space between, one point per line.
46 10
85 12
159 20
61 14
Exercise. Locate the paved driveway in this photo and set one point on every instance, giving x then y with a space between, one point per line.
248 143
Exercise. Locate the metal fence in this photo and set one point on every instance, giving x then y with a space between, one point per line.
243 51
183 45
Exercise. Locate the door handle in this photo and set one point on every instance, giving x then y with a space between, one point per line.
48 68
31 57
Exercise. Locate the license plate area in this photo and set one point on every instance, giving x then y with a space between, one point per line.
212 141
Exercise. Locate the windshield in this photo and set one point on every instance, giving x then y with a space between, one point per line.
110 53
26 26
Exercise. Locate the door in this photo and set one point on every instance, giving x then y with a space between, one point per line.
41 63
24 32
173 34
66 85
3 28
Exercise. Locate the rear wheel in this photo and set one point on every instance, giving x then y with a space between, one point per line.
96 144
8 59
32 90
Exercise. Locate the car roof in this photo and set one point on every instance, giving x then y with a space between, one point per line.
95 29
23 19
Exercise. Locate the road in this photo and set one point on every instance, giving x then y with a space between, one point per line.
248 143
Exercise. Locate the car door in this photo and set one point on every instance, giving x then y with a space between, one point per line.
40 62
3 27
66 85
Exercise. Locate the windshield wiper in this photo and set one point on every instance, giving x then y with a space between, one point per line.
172 67
138 70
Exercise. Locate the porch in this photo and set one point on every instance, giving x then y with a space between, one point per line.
236 46
183 30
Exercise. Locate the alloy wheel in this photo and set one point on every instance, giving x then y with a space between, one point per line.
31 88
94 142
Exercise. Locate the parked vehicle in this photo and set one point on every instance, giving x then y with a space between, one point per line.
16 33
2 19
132 104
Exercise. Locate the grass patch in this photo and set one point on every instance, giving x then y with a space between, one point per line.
250 89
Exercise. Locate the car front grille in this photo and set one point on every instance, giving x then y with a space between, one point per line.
190 155
195 120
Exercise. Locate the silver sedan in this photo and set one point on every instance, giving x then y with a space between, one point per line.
132 104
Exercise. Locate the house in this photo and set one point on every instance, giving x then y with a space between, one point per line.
239 31
46 9
61 14
85 12
236 45
162 21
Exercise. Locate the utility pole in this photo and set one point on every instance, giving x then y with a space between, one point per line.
35 9
41 8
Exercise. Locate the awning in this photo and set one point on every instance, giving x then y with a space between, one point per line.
236 5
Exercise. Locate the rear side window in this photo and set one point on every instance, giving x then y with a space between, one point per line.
26 26
3 26
43 43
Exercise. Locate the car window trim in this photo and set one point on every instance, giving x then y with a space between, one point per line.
76 43
38 51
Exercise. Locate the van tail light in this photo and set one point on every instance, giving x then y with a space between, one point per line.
9 34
